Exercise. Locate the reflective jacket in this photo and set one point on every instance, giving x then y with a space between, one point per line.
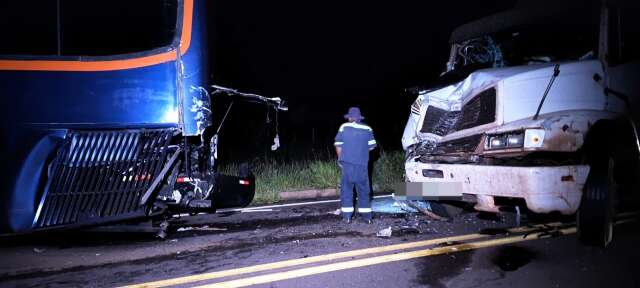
356 139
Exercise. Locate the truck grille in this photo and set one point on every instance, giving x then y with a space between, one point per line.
465 144
101 175
478 111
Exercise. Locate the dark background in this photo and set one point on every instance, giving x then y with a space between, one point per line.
322 57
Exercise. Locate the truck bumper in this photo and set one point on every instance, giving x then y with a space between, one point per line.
545 189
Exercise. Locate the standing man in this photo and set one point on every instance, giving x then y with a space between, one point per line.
353 143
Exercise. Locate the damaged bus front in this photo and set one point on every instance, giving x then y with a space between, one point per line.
107 115
536 107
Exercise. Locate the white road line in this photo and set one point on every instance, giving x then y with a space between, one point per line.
292 204
259 208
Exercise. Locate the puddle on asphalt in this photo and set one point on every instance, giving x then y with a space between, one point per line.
435 271
512 258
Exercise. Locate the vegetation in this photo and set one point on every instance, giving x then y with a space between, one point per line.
319 172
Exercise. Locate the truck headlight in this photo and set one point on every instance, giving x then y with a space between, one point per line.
533 138
507 140
497 142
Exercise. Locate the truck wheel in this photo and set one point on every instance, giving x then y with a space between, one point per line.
596 213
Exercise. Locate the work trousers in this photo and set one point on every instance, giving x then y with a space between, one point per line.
358 176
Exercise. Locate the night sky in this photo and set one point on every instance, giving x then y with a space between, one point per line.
320 56
324 56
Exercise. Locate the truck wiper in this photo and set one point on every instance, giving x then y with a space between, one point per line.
556 72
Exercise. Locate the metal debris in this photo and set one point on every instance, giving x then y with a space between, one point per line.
408 230
202 228
385 233
422 209
335 212
162 232
207 228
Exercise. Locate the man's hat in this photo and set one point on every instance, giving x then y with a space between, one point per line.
354 112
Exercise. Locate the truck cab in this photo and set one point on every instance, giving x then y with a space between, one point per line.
537 107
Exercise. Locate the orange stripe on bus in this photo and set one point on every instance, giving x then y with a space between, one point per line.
108 65
187 21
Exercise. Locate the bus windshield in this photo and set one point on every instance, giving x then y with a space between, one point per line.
86 28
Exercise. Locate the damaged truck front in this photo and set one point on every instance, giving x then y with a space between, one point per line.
538 108
107 115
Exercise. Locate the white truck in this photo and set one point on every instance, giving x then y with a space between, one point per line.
538 107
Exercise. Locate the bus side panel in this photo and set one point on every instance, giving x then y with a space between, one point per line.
195 76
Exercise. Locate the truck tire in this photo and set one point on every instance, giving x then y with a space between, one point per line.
596 214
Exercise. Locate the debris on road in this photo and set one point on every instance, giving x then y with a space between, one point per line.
162 232
38 250
408 230
403 230
385 233
207 228
424 208
202 228
335 212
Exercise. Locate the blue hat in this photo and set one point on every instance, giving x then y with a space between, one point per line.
354 112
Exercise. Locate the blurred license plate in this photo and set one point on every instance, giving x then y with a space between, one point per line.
428 191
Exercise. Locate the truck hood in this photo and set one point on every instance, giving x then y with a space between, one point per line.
453 97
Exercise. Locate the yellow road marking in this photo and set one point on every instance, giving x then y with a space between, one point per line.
327 257
378 260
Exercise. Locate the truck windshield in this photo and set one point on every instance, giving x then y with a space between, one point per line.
86 28
528 45
532 32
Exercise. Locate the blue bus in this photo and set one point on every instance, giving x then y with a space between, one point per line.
107 115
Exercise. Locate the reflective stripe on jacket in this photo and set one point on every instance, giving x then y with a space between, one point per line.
356 139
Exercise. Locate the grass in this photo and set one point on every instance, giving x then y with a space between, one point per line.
273 176
387 171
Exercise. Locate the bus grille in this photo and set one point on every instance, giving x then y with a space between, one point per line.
101 175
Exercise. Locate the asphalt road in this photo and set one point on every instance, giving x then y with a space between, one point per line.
307 246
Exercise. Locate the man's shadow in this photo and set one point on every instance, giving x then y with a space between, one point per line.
374 155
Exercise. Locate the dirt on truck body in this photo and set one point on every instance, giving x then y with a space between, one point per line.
543 114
